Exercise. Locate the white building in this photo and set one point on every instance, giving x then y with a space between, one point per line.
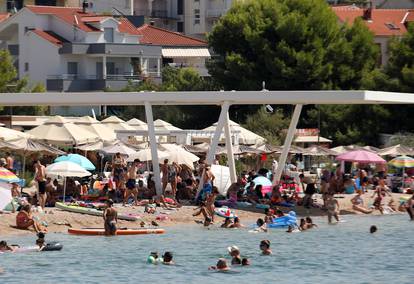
71 50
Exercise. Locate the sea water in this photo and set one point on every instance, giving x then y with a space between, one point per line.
342 253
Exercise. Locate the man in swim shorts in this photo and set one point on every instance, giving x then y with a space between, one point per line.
40 177
110 217
131 188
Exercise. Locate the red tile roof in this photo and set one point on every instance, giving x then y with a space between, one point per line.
4 16
72 16
384 22
158 36
49 36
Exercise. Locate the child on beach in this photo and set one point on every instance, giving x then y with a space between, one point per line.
332 205
265 247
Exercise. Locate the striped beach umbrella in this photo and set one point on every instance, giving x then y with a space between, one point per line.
402 162
7 176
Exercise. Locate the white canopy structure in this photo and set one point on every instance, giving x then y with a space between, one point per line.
162 125
58 131
106 134
396 150
178 155
145 155
137 124
246 136
223 98
7 134
116 123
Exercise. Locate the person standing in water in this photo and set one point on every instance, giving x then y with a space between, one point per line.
265 247
333 208
40 177
110 216
409 206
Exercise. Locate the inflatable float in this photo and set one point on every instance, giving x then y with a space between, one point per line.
120 232
225 212
52 246
285 221
95 212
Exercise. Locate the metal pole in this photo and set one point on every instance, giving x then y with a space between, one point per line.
319 132
64 189
153 145
229 146
288 142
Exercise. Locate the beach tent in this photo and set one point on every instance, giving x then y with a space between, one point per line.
77 159
318 151
5 195
7 134
137 124
116 123
361 156
344 149
221 178
105 133
66 169
145 155
202 148
396 150
178 155
246 136
58 131
119 148
162 125
371 148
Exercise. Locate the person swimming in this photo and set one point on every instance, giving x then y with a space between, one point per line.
265 247
234 252
303 226
167 258
227 223
5 247
221 266
41 240
373 229
236 223
261 225
153 258
309 223
245 262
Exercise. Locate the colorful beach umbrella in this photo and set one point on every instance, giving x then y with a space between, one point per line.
265 183
402 162
77 159
361 156
7 176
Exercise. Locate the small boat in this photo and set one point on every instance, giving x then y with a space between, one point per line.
93 211
122 231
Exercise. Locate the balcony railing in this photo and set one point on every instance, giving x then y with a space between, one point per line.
112 77
216 13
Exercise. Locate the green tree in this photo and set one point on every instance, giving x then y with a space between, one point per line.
289 44
269 126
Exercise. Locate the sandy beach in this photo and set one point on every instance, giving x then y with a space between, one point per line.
59 221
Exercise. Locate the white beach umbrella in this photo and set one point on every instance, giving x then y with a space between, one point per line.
5 195
66 169
221 178
58 131
245 136
119 148
145 155
116 123
7 134
105 133
178 155
396 150
137 124
160 125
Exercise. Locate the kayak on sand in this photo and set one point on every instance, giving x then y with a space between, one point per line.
95 212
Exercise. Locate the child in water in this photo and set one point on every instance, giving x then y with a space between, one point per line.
261 225
167 258
220 266
153 258
265 247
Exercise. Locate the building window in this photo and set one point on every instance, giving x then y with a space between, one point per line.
180 7
109 34
180 27
196 16
73 69
26 67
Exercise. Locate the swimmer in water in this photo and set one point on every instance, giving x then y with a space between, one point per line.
153 258
110 216
5 247
265 247
220 266
167 258
309 223
373 229
245 262
234 252
409 206
303 226
227 223
261 225
236 223
40 240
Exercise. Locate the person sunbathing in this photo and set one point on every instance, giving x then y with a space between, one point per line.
24 220
358 203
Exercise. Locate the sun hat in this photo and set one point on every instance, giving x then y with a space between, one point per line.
233 248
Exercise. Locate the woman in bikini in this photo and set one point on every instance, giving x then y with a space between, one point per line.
358 203
210 200
24 220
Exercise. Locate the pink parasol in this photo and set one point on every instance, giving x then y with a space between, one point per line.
361 156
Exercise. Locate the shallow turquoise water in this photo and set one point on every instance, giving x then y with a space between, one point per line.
343 253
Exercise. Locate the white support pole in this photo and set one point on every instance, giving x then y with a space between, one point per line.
216 137
158 67
104 67
288 142
217 133
153 145
229 147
